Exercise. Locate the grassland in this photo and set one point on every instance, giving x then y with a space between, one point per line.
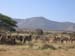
26 50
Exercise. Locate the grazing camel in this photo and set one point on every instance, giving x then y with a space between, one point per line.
72 39
23 39
60 39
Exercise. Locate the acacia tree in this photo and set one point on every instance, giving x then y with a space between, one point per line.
39 31
7 21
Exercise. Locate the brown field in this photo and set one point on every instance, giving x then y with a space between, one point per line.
25 50
39 47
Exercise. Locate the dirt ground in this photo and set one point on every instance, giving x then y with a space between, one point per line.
7 50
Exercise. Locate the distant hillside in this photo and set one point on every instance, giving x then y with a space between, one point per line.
45 24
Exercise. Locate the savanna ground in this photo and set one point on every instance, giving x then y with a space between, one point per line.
26 50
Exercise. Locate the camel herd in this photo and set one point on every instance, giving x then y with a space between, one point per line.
14 38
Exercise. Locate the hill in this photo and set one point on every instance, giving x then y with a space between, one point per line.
45 24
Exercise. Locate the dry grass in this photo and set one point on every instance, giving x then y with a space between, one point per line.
27 50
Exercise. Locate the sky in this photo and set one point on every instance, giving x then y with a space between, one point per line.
56 10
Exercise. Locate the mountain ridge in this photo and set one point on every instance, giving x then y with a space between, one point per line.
45 24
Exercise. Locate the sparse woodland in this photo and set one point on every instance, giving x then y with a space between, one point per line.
37 39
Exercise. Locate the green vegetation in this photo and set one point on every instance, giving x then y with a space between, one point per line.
39 31
7 21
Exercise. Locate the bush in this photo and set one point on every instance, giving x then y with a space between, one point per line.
46 46
39 31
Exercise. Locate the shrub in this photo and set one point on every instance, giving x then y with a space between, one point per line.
46 46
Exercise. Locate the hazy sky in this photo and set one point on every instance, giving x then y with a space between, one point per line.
57 10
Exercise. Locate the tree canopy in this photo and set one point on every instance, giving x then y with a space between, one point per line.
39 31
8 21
